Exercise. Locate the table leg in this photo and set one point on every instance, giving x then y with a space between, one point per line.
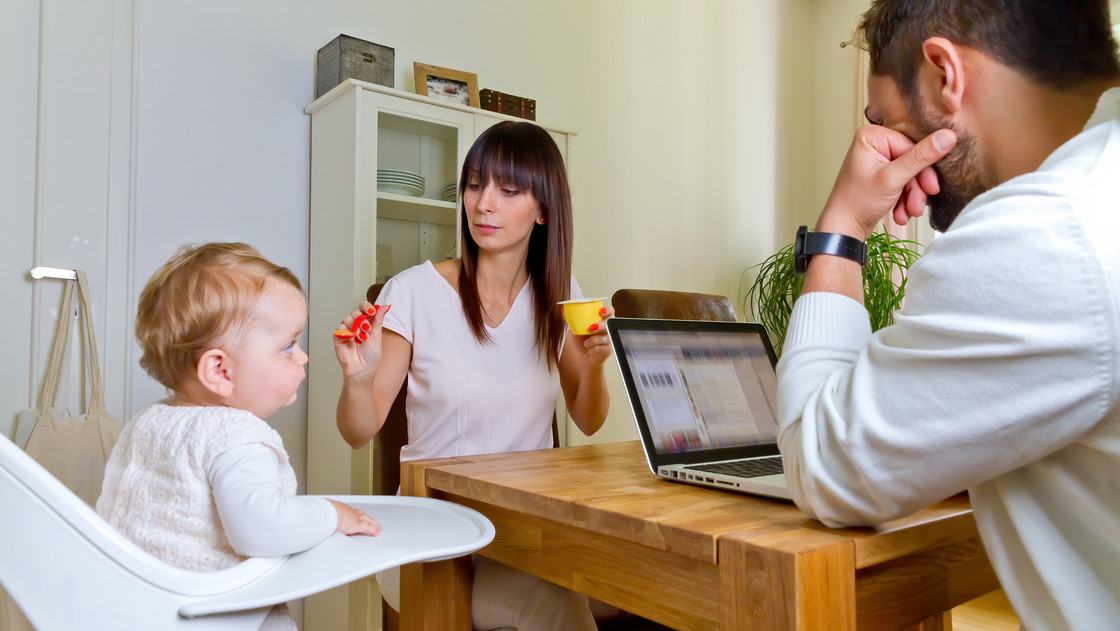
777 582
434 596
941 622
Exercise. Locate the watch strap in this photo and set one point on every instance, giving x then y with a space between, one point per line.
832 243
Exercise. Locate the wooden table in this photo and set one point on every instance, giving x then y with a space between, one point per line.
596 520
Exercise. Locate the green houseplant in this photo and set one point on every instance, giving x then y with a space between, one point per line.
771 295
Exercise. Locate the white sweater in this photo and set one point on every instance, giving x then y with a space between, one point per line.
202 488
1001 376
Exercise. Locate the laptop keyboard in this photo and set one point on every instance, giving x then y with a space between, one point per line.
752 468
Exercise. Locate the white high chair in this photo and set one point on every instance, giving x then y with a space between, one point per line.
67 568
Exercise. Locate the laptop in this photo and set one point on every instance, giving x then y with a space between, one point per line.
704 396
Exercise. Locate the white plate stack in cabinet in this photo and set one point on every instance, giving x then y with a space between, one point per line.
361 235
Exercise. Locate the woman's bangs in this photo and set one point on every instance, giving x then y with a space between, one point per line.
499 163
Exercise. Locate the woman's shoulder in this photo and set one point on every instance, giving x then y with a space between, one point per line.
449 271
426 275
414 292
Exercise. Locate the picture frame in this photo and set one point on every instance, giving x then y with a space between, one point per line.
446 84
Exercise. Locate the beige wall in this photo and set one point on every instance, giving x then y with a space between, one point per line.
688 192
694 120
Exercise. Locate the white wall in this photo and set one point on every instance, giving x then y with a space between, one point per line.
64 182
17 203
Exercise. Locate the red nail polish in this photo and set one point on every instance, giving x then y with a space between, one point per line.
603 311
360 323
593 327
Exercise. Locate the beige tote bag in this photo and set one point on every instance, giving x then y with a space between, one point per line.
60 346
75 449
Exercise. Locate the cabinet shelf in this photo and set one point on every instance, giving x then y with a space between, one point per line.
419 209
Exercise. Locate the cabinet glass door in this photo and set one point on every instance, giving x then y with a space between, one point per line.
419 148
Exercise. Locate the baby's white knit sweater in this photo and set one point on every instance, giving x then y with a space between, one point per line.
157 492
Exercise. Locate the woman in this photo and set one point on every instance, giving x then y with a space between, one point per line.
485 348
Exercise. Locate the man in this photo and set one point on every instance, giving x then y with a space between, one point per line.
1001 374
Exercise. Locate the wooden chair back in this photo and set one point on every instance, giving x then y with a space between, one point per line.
672 305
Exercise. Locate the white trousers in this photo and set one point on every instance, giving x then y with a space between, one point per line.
504 598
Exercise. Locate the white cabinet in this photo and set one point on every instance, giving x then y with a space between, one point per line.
361 235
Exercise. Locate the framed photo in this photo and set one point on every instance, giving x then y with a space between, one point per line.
445 84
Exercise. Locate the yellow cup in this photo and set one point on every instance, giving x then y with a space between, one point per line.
582 313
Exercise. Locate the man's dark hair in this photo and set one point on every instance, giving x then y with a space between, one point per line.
1055 43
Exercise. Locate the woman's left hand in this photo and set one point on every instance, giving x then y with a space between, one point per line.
582 376
594 349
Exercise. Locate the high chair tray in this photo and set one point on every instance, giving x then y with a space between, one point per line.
415 529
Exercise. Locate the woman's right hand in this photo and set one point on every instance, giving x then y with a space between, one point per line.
361 358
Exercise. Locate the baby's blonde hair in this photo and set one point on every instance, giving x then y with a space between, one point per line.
200 299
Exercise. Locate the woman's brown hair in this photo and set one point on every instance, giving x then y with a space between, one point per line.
524 155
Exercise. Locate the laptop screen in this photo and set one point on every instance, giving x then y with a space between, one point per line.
700 385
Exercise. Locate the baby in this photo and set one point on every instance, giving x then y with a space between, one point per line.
199 480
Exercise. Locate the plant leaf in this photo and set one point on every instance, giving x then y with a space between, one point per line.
776 286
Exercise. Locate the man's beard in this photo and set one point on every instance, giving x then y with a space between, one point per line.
958 173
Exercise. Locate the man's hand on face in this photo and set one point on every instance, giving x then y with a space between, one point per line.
884 173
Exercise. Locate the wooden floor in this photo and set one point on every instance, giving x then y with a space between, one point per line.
991 612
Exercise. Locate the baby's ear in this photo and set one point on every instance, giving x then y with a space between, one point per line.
214 372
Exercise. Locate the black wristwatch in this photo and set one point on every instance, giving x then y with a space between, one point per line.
809 243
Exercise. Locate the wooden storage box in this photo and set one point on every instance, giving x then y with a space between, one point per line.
519 106
352 58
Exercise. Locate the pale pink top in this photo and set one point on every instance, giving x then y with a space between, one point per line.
466 397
